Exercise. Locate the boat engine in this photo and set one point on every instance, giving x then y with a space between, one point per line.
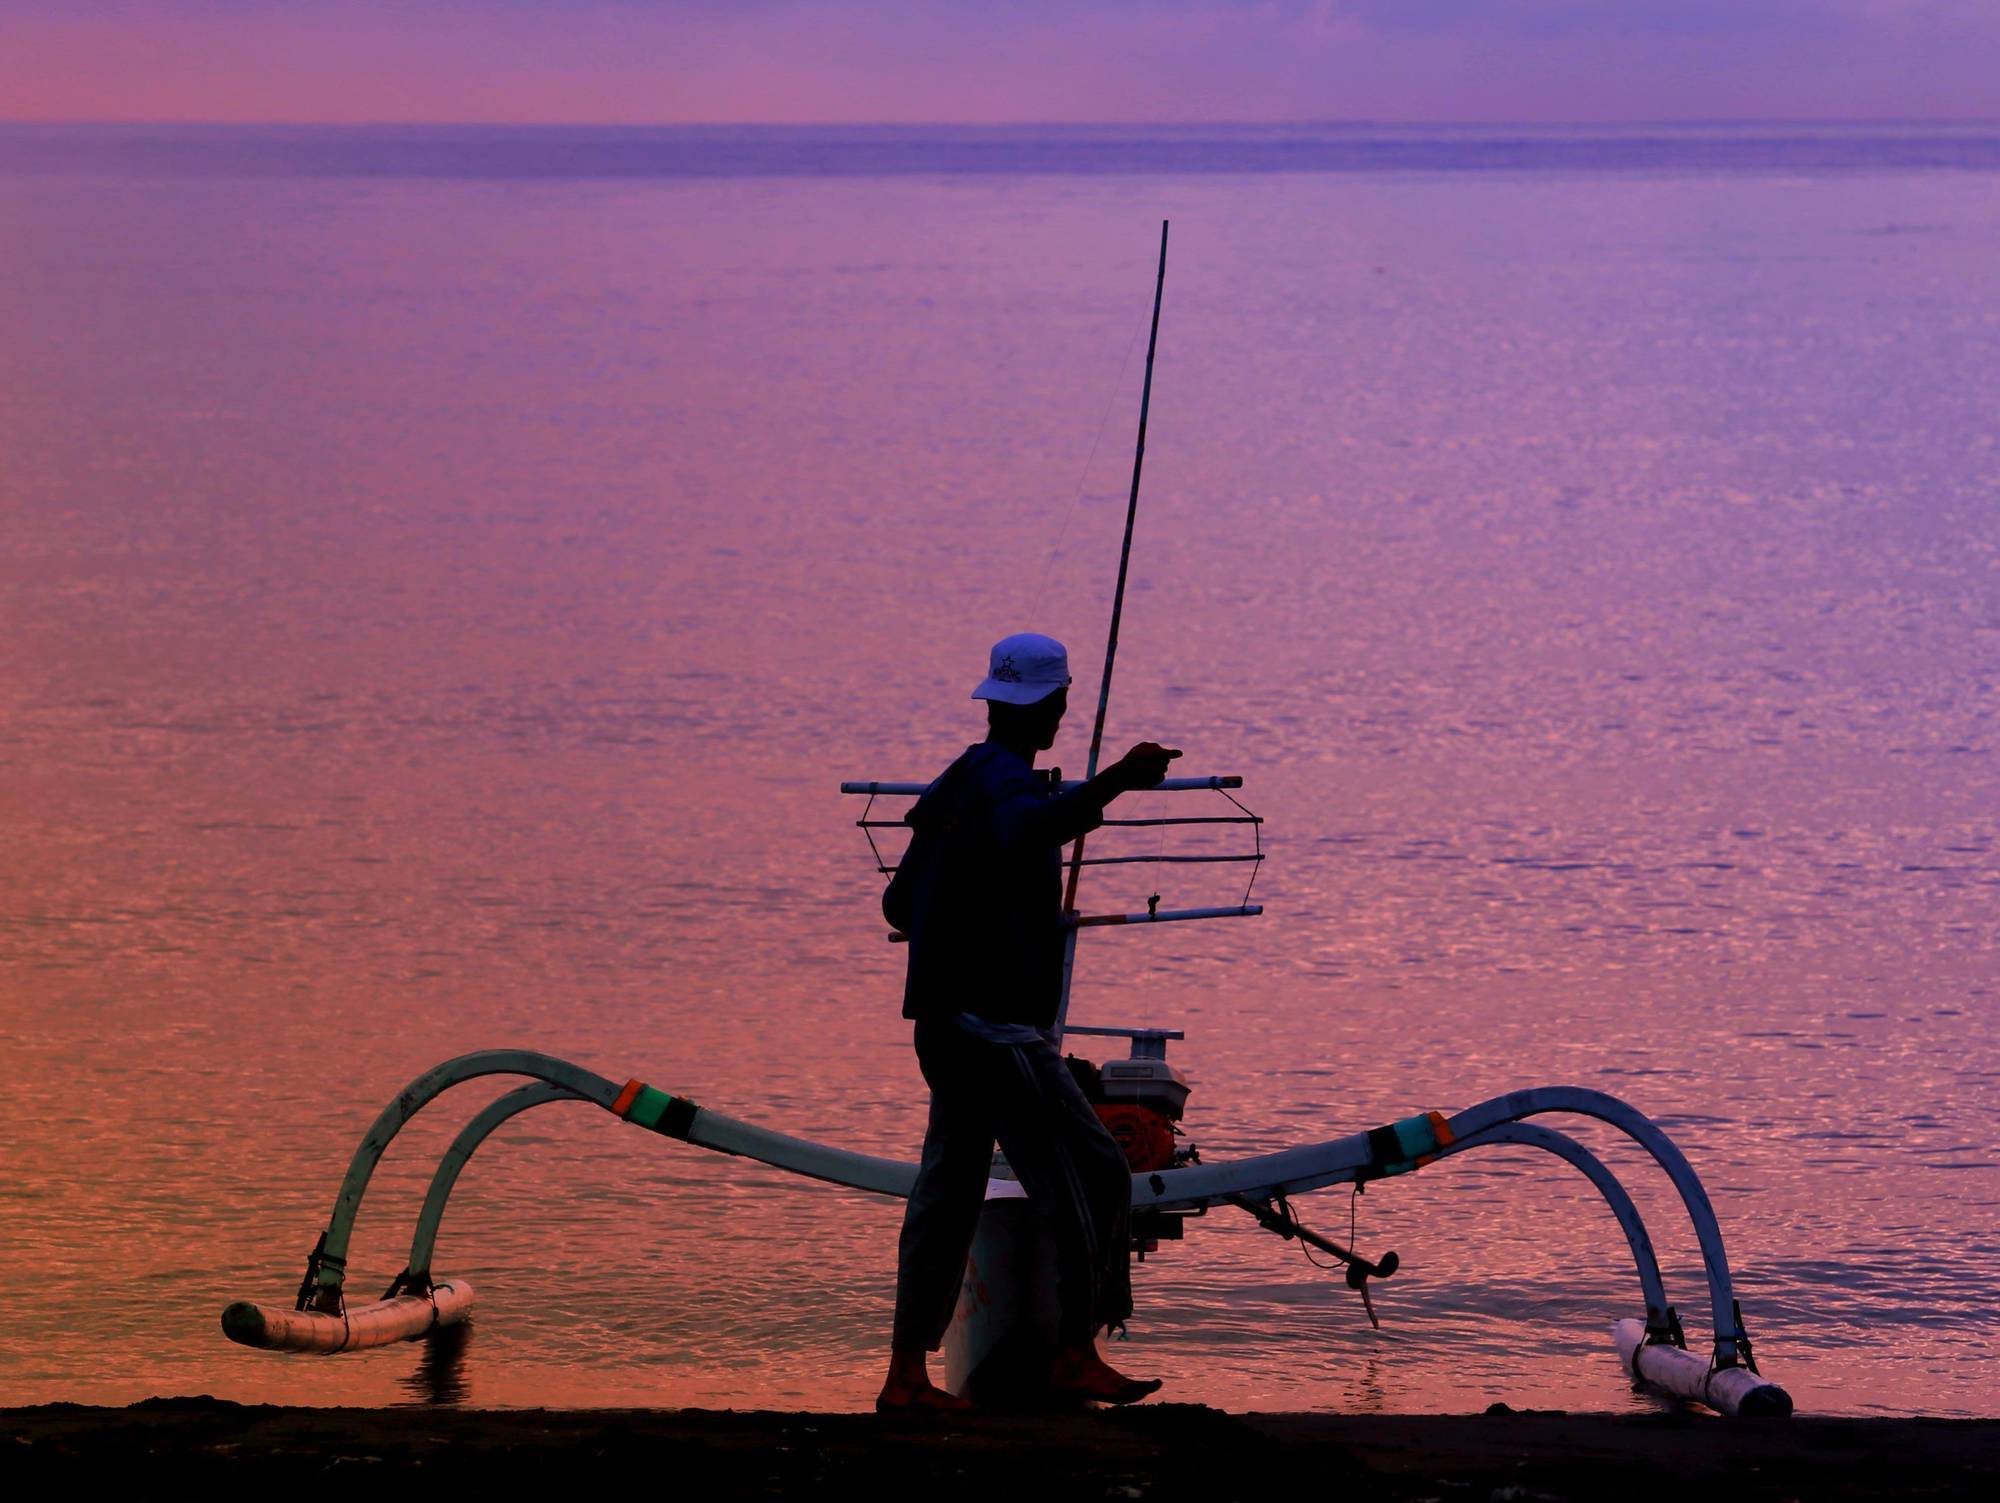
1142 1100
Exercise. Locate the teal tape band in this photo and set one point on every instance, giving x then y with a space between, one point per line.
1415 1137
1396 1148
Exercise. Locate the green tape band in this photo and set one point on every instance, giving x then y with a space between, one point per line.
672 1115
648 1107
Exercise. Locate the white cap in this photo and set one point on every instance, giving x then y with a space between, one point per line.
1024 669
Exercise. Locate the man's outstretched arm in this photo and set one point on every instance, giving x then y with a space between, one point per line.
1028 818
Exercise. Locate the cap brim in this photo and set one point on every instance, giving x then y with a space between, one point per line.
1015 694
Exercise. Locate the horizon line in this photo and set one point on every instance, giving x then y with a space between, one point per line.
1657 122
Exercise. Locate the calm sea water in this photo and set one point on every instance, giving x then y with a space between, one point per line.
444 577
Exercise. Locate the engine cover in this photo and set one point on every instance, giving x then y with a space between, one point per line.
1146 1137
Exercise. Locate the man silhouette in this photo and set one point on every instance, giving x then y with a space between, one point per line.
979 895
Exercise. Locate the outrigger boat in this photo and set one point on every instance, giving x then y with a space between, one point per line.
1004 1325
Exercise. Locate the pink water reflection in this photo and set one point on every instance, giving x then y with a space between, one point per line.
442 612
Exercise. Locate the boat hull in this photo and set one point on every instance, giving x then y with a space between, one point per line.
1002 1335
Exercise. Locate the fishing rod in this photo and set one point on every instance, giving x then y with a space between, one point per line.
1111 640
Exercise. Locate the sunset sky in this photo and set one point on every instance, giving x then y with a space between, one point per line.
639 61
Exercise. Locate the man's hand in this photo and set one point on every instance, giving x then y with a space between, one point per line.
1143 766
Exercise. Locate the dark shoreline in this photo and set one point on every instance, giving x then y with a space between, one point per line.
1150 1451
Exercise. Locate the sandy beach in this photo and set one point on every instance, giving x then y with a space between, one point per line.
1152 1451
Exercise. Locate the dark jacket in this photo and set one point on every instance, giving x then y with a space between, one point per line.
979 891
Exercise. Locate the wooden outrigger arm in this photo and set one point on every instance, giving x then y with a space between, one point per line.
414 1304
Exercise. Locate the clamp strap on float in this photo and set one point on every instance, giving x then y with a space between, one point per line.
1402 1146
641 1105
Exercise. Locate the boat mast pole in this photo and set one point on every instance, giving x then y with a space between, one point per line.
1111 639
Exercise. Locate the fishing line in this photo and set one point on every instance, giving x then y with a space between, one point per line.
1083 476
1305 1247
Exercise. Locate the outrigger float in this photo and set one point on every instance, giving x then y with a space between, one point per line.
1004 1326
